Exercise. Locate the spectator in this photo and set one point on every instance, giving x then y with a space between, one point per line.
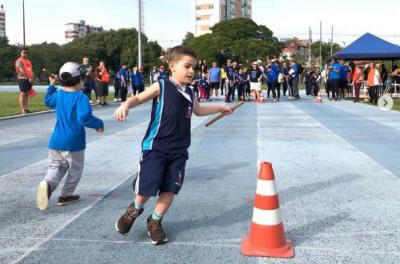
102 81
358 78
214 79
123 76
88 81
294 79
25 76
384 77
255 77
334 79
223 80
153 73
374 80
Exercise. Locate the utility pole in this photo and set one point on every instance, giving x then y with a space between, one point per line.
332 42
309 46
23 20
320 44
140 34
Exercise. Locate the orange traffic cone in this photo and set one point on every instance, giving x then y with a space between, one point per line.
267 236
261 99
318 99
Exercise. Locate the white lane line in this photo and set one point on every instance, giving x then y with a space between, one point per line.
219 244
87 208
349 144
375 118
90 206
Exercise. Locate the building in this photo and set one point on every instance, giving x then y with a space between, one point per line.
295 46
207 13
79 30
2 22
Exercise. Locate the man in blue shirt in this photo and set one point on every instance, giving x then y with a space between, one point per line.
214 78
123 83
334 79
67 144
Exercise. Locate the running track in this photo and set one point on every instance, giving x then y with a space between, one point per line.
337 166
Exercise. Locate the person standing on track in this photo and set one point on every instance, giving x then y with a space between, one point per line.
214 79
102 81
67 144
165 145
25 77
255 77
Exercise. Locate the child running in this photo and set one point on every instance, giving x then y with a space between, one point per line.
166 142
67 144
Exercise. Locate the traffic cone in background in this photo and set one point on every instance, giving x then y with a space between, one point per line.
267 236
261 99
318 99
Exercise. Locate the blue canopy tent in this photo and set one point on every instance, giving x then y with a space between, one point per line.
369 47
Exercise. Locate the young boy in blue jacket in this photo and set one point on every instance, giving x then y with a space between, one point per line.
67 144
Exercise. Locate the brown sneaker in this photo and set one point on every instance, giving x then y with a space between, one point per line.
155 231
125 222
68 200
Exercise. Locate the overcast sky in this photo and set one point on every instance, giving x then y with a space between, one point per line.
167 21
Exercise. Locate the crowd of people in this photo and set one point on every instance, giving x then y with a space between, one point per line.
343 79
232 81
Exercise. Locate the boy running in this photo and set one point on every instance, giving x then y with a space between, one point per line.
67 144
164 147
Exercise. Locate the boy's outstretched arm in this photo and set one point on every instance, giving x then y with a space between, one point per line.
122 112
50 98
212 109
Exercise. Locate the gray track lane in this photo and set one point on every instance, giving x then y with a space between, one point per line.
27 137
205 221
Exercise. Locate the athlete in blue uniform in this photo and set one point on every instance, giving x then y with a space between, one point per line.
164 147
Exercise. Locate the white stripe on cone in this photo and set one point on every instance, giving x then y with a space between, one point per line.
266 217
266 187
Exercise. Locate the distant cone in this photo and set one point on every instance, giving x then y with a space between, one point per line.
267 235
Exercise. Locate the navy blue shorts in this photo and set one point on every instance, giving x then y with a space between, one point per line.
159 172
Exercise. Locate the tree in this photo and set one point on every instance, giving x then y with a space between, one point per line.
325 50
188 37
240 39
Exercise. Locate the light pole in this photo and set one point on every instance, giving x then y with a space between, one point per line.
140 35
23 20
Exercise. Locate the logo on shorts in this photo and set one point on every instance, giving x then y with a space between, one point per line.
179 179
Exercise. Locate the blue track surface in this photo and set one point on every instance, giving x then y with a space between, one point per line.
337 173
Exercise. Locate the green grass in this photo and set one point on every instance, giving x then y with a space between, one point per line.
9 103
396 103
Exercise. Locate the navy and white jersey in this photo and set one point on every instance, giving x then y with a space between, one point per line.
169 127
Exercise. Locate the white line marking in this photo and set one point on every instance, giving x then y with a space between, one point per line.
348 143
90 206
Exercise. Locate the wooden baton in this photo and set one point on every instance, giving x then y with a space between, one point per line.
221 115
50 74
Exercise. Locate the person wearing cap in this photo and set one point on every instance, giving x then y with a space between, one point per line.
68 141
25 76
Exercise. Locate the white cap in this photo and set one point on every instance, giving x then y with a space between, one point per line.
73 68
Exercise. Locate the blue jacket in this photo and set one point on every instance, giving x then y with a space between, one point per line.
73 113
